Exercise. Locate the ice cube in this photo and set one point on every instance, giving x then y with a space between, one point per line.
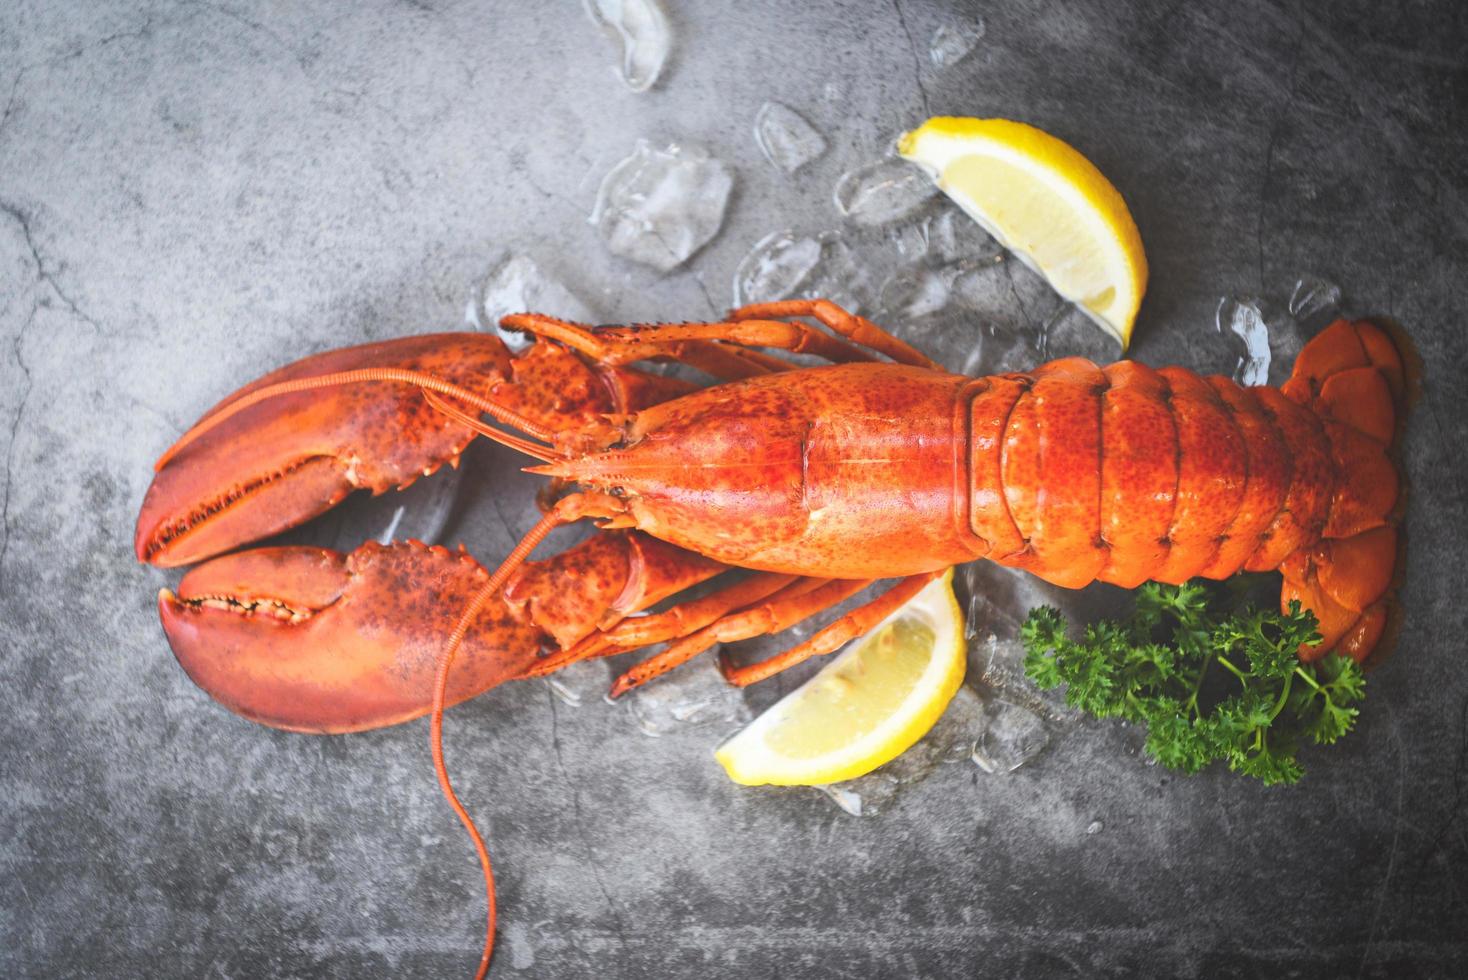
775 267
1315 301
694 694
909 241
659 206
955 237
952 42
951 739
883 192
1241 321
518 285
912 293
641 29
787 140
1012 737
583 682
840 276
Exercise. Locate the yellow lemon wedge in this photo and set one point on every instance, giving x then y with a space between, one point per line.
864 708
1044 202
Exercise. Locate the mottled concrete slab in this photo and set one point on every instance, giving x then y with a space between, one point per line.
194 192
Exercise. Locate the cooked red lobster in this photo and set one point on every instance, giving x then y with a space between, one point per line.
817 480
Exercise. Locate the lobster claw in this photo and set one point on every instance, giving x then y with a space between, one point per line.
311 640
286 459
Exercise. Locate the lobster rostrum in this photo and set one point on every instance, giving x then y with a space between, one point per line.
819 481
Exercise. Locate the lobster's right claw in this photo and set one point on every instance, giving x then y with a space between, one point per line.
284 460
311 640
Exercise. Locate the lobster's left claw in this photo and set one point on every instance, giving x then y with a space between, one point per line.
285 460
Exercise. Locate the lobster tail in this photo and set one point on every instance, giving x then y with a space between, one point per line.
1352 376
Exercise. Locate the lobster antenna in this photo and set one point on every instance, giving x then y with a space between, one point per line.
489 432
513 561
428 382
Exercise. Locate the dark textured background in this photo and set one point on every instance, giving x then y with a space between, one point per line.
193 192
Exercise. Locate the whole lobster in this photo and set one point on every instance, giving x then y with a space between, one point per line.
818 480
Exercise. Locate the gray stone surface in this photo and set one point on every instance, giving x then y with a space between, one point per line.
192 193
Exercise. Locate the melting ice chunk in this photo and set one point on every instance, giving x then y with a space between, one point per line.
641 29
518 285
658 207
1315 301
693 694
952 739
583 682
955 237
882 192
952 42
1241 320
787 140
913 293
841 276
775 267
1013 736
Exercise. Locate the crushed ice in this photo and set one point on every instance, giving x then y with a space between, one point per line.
786 138
952 42
583 682
882 192
659 206
517 284
640 28
775 268
694 694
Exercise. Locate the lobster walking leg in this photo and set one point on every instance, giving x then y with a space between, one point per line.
855 328
783 610
623 345
831 638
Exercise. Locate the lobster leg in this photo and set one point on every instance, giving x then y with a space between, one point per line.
783 610
855 623
855 328
623 345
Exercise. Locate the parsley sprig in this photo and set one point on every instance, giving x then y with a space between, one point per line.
1209 678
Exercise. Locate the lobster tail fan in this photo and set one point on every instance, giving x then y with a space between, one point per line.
1353 377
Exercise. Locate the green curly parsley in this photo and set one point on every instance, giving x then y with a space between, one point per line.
1209 680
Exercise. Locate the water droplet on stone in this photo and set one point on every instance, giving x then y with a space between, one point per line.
517 284
883 192
1315 301
658 207
583 682
694 694
786 138
641 30
952 42
1013 736
775 267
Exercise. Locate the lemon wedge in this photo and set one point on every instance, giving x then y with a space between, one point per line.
1046 203
866 707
